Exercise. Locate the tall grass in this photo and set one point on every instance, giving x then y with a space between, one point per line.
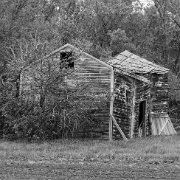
161 149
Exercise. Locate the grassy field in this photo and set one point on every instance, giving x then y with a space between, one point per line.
159 148
148 152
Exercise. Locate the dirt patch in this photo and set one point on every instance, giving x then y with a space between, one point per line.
148 158
90 170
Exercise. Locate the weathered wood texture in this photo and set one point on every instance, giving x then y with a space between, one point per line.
159 93
135 80
98 126
162 125
136 64
122 105
142 94
123 112
118 127
156 97
91 78
133 113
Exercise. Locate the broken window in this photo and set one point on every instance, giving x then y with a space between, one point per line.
66 60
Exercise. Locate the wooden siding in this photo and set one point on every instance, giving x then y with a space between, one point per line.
122 108
96 80
142 94
159 93
123 111
88 74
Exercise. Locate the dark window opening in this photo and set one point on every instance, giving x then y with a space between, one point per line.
66 60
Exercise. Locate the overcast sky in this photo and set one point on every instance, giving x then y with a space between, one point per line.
146 1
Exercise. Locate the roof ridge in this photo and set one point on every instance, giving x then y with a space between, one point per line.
142 59
134 63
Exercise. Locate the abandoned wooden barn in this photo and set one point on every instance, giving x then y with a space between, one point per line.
140 98
137 91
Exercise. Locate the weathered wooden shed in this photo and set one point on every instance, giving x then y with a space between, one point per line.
140 99
137 91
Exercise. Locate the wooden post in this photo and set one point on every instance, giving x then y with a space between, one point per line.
119 129
144 119
150 107
110 129
111 106
133 115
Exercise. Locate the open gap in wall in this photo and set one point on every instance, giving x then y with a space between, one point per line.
142 119
66 60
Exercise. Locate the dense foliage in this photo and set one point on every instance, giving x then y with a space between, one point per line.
31 29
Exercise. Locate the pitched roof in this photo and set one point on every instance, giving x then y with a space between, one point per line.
104 63
109 65
135 64
73 48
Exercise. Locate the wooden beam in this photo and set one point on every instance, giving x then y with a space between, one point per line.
134 76
118 127
111 106
151 106
133 115
144 119
110 129
164 125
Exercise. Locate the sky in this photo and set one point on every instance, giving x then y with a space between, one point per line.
145 2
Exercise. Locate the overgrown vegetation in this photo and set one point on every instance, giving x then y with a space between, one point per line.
22 119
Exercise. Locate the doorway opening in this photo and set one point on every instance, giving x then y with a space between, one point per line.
142 119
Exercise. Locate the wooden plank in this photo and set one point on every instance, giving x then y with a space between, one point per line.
152 127
133 115
173 131
80 52
154 120
167 129
164 125
141 78
111 106
119 129
110 130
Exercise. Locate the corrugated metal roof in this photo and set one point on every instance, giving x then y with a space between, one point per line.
135 64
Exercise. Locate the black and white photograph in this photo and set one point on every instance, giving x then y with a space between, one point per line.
89 89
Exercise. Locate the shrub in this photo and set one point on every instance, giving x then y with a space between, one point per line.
23 119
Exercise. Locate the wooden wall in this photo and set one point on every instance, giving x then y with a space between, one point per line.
123 111
142 94
91 78
156 96
159 93
122 105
